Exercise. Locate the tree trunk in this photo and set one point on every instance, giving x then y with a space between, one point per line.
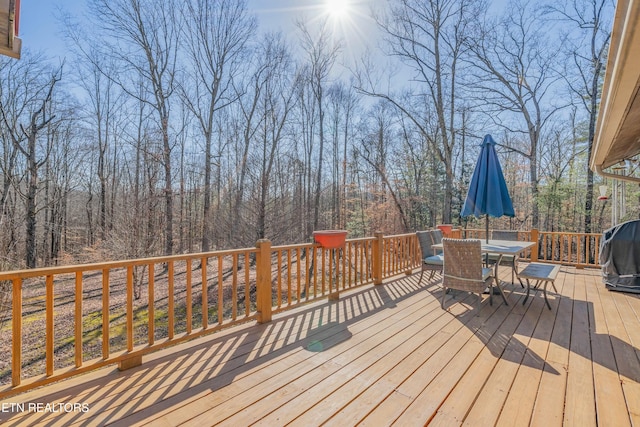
168 187
32 188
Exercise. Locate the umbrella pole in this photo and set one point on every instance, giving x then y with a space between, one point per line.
486 227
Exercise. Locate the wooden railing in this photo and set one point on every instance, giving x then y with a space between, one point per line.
74 319
577 249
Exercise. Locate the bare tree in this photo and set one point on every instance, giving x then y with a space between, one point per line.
427 37
321 53
343 103
12 104
96 75
216 35
514 79
143 36
275 105
588 21
375 149
25 117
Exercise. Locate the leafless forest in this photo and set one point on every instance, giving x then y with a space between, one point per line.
176 127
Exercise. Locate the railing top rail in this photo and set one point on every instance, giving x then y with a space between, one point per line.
107 265
395 236
570 233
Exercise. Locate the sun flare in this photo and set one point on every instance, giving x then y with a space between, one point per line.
337 8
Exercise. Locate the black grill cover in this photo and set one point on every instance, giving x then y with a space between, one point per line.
620 257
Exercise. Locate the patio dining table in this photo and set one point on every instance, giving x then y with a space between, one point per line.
500 247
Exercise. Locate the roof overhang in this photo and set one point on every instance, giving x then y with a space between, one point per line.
10 44
617 136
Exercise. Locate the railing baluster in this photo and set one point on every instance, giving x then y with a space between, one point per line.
323 269
385 259
357 269
331 253
314 267
151 310
189 296
105 314
391 248
205 295
130 308
289 289
171 299
289 293
220 291
234 288
279 279
298 276
247 287
16 337
78 320
307 279
344 267
546 247
578 252
49 325
364 262
347 254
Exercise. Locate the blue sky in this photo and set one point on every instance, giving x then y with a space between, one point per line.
39 28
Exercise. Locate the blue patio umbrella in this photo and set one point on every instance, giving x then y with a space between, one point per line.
488 193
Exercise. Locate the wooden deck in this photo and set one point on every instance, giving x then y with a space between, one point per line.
381 355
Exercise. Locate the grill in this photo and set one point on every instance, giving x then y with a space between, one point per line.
620 257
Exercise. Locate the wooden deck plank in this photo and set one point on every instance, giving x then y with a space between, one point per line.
580 408
383 355
220 365
259 338
486 409
548 408
319 400
461 394
379 379
419 396
346 361
364 396
188 410
610 404
627 364
144 380
519 404
359 364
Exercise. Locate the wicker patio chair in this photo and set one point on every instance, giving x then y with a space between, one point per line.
430 260
463 270
510 260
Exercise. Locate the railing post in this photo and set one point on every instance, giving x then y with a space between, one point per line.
535 238
16 337
377 258
263 280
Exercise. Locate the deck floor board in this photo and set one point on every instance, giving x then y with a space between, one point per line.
386 355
